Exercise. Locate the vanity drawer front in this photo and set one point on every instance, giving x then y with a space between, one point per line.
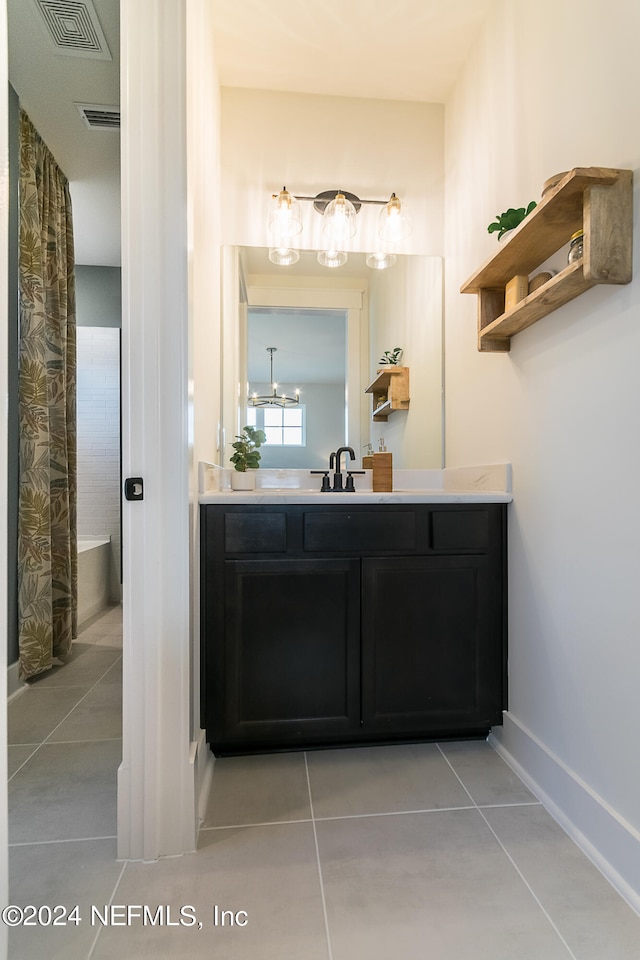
346 531
463 531
262 532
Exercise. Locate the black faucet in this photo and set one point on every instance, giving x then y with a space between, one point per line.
334 464
337 476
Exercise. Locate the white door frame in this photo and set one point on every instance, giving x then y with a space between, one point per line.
156 779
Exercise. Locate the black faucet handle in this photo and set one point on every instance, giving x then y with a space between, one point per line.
350 487
326 486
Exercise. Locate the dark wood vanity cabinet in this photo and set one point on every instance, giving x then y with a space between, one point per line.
291 651
325 625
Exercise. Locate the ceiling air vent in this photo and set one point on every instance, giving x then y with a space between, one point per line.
99 117
73 28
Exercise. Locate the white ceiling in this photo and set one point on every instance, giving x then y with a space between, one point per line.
383 49
404 50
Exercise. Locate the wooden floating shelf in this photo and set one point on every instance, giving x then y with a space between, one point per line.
390 391
598 200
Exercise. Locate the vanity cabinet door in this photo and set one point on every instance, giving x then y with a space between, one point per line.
291 650
431 647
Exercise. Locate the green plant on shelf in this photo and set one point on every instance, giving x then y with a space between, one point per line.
509 219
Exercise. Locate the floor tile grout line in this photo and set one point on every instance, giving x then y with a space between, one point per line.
515 803
511 860
111 898
43 685
456 775
393 813
364 816
42 843
77 704
258 823
319 865
66 743
345 816
55 743
66 717
26 760
529 888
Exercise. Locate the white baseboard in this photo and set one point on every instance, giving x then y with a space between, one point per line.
604 836
204 762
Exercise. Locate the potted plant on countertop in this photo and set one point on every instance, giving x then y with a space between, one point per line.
246 458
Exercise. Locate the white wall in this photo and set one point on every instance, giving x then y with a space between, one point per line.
98 425
562 406
313 143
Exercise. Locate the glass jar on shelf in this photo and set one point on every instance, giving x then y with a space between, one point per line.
576 247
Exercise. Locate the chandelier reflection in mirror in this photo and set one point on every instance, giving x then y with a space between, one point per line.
273 399
339 210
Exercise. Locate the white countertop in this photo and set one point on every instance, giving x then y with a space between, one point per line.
256 497
483 484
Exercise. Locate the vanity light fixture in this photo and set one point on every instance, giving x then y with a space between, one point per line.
339 209
273 399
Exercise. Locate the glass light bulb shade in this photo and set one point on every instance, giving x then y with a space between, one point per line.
284 216
284 256
380 261
339 221
332 258
394 224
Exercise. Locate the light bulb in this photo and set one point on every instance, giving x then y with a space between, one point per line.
380 261
394 224
283 256
284 217
332 258
339 222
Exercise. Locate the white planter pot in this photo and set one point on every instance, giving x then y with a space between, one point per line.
243 481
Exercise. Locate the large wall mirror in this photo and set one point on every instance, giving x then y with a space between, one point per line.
318 333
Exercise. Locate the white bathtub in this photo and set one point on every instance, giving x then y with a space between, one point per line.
94 576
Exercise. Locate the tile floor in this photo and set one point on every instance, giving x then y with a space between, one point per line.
433 851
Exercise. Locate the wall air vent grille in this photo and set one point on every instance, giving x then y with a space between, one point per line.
98 117
74 28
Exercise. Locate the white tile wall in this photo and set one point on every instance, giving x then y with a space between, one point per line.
98 412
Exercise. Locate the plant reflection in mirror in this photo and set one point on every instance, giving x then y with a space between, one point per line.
391 357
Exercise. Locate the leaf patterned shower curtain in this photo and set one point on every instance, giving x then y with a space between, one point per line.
47 548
